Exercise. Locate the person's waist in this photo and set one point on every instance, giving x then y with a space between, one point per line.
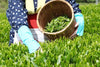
32 20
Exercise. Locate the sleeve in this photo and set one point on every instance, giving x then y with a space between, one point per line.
75 6
47 1
16 14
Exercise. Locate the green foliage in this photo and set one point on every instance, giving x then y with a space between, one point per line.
86 1
81 52
57 24
3 6
4 28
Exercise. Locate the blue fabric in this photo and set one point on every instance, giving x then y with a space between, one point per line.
74 5
35 5
11 36
47 1
16 14
80 20
27 38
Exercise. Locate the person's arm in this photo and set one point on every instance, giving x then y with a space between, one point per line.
27 38
78 16
80 21
17 16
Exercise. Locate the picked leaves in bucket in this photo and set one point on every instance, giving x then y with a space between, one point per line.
57 24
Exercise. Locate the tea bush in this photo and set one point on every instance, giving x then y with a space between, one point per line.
80 52
57 24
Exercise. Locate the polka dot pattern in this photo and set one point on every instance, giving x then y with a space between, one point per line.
74 5
17 16
11 36
35 5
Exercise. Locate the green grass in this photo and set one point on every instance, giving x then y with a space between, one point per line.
3 6
80 52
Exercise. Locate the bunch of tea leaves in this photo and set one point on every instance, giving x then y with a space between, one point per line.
57 24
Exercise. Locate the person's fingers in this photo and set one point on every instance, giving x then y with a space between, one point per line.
74 34
80 30
76 25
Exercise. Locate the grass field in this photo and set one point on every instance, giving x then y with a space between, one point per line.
81 52
3 6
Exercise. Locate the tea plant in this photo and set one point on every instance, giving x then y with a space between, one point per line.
57 24
81 52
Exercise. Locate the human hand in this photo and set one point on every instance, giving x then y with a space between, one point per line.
79 25
80 22
33 46
27 38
